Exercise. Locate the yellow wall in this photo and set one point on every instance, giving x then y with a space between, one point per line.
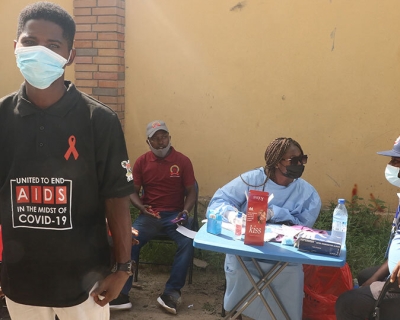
228 80
11 78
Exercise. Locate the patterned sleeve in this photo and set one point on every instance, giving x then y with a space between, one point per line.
137 171
113 166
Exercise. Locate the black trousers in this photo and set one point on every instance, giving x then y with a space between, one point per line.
358 304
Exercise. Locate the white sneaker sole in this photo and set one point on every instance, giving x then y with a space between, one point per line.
162 304
125 306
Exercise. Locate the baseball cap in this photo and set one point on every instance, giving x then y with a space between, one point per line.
154 126
395 152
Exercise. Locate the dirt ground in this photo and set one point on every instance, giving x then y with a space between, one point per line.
200 300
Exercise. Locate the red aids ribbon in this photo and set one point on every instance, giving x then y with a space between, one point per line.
71 149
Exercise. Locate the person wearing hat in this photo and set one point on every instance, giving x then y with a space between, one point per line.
168 182
360 303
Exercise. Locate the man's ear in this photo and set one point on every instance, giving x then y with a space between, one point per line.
71 57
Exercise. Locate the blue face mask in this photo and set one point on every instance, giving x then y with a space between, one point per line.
39 65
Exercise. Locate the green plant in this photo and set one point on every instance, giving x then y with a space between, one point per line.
368 232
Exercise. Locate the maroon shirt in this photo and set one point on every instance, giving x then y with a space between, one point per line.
164 180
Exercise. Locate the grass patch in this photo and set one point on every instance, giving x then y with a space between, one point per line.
209 307
367 235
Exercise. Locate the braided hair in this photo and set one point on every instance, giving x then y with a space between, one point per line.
275 152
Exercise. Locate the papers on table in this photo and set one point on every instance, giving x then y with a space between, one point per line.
285 234
273 231
186 232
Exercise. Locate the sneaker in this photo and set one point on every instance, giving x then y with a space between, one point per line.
121 303
169 303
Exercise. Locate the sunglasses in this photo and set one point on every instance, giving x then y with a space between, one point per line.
295 160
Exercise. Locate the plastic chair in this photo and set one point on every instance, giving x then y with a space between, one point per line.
388 287
193 224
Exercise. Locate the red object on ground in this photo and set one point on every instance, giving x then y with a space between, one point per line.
322 287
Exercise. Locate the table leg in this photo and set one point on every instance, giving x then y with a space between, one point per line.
281 265
258 288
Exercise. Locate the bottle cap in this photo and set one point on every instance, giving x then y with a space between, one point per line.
341 201
239 214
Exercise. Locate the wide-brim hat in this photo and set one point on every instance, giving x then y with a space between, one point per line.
154 126
395 152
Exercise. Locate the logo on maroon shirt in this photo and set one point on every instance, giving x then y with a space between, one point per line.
174 171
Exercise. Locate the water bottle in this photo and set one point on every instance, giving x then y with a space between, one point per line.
214 222
238 225
219 223
339 223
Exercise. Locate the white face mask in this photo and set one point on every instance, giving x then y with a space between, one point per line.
39 65
161 153
392 175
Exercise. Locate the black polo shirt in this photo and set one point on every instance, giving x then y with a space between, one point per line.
57 166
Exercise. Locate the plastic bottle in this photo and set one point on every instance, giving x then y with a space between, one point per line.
214 222
238 225
339 223
219 223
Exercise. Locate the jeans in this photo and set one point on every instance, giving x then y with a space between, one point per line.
148 228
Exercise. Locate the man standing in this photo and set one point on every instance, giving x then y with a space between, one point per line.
64 170
169 192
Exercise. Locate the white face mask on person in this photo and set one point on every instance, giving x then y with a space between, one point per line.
39 65
161 153
392 175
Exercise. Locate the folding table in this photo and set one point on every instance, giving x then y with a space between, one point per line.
282 254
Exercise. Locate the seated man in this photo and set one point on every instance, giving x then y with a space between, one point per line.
360 303
169 192
295 202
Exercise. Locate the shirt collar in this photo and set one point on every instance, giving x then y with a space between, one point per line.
59 109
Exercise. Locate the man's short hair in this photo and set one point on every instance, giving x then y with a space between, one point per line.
50 12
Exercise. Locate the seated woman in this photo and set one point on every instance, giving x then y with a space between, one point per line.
360 303
295 202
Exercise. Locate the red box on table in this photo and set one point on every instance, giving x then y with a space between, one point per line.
256 217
